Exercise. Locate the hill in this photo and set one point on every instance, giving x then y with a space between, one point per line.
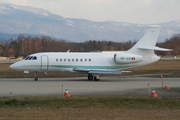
17 20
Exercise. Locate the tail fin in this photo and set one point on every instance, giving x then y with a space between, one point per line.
148 42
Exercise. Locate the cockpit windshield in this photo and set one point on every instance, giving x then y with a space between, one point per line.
31 58
27 58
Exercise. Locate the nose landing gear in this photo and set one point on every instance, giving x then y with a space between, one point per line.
35 76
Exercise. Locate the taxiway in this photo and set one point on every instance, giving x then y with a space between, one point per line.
80 86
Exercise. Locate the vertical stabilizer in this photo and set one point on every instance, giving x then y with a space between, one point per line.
150 38
148 41
146 45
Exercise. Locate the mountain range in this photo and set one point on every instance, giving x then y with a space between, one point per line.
15 20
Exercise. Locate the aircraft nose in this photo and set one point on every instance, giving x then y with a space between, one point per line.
16 66
13 66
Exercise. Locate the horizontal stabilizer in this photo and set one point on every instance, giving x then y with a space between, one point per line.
104 72
154 48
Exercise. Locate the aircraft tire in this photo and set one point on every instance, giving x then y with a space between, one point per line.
35 79
95 79
90 77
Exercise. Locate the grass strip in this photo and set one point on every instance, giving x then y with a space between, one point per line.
92 102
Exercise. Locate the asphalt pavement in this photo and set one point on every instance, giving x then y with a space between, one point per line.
80 86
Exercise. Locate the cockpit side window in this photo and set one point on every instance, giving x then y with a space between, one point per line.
34 58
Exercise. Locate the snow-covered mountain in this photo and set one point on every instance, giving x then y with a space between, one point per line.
24 19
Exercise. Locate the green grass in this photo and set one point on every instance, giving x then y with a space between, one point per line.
92 102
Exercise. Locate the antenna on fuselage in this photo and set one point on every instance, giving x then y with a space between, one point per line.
68 51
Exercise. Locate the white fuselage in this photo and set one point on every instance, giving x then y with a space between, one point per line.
142 53
67 62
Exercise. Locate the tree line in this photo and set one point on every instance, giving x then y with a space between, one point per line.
23 46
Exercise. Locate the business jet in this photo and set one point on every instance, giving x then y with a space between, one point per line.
94 63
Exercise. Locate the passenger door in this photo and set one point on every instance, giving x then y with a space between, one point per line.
44 62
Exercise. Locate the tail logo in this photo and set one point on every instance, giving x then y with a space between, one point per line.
133 58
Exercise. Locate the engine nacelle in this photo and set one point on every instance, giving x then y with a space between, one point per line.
126 58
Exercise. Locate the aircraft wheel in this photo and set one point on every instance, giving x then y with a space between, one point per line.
90 77
35 79
35 76
95 79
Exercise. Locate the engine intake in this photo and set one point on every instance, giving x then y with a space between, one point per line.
126 58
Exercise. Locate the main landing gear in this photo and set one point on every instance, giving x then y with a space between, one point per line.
95 77
35 76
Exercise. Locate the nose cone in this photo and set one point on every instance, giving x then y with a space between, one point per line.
13 66
16 66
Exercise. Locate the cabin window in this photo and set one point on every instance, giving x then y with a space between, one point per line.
69 60
64 60
85 60
81 60
73 60
60 60
76 60
89 60
56 60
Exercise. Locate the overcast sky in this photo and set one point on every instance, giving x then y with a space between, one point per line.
133 11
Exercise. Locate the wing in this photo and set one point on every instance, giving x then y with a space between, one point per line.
97 71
